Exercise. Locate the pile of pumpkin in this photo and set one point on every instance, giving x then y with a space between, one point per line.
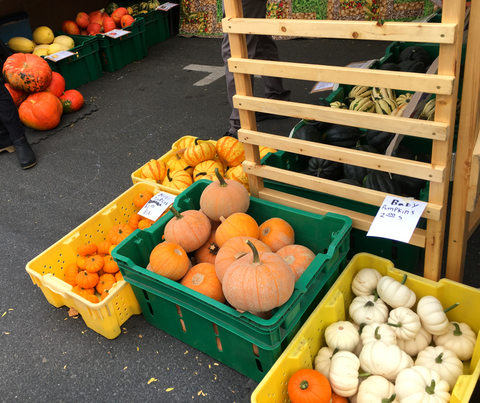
196 159
388 352
251 266
94 272
38 92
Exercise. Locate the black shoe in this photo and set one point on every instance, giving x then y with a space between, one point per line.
26 157
261 116
6 143
228 134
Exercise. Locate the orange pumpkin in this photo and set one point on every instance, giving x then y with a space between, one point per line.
201 151
94 263
104 247
238 175
80 290
145 223
208 251
298 257
118 276
91 298
154 170
276 233
258 282
71 272
81 260
87 249
234 249
185 142
230 151
223 198
104 282
117 15
237 224
309 386
189 229
169 260
265 150
86 279
203 279
41 111
177 180
18 95
134 220
178 163
27 72
118 233
338 399
141 198
206 170
110 266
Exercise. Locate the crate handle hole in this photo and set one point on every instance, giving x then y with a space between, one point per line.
179 310
219 344
183 325
150 309
145 294
215 328
259 365
255 350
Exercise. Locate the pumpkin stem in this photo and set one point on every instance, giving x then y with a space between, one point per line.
404 279
369 304
177 215
377 335
213 249
457 331
451 307
364 375
392 398
430 389
168 175
220 178
256 257
399 324
304 385
335 352
375 293
439 360
360 330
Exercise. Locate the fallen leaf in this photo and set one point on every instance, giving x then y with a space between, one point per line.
186 352
4 314
138 349
72 312
169 389
198 394
140 336
215 363
125 368
152 380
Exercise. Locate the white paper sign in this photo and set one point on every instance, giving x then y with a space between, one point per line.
55 57
397 218
116 33
166 6
157 205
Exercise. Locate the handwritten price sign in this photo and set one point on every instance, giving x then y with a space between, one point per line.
397 218
157 205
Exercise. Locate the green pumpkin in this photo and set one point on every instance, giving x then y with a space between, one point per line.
111 8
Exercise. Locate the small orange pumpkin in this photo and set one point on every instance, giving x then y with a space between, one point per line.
104 282
237 224
104 247
308 386
134 220
177 180
86 279
81 260
265 150
203 279
118 276
94 263
71 272
298 257
118 233
276 233
201 151
208 251
141 198
80 290
154 170
169 260
237 174
110 266
87 249
189 229
145 223
178 163
230 151
185 142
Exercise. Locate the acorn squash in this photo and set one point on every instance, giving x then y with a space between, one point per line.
309 132
378 180
412 66
355 172
378 139
410 187
342 136
322 168
415 53
390 67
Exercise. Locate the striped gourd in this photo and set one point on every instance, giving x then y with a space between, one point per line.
385 106
363 105
399 110
382 93
359 91
143 6
339 105
404 98
428 109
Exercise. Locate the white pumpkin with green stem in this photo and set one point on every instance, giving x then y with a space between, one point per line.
394 293
368 309
323 359
460 338
413 346
442 360
342 335
420 384
344 373
376 389
433 316
387 360
378 332
405 322
365 281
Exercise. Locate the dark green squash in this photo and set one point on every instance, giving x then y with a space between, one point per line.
322 168
308 132
412 66
410 187
415 53
350 182
342 136
403 152
390 67
355 172
379 139
378 180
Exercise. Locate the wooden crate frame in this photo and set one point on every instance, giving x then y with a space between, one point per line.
448 34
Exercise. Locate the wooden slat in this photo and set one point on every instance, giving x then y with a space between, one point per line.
373 197
433 84
474 180
359 220
361 30
344 155
410 127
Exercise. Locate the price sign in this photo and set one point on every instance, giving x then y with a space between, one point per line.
55 57
157 205
397 218
116 33
166 6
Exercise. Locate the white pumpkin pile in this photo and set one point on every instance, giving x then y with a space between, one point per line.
386 353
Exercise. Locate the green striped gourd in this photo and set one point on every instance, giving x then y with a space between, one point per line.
111 8
385 106
359 91
153 4
339 105
143 6
399 110
382 93
428 110
404 98
363 105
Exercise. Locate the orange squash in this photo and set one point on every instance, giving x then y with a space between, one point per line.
276 233
169 260
178 163
234 249
258 282
230 151
237 224
206 170
208 251
118 233
154 170
309 386
223 198
298 257
201 151
189 229
203 279
178 180
238 175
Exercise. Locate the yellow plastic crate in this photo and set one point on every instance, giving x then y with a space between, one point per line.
137 177
302 350
47 269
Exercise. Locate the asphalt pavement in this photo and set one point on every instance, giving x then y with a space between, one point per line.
130 117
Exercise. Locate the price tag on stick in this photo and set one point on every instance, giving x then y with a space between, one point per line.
397 218
157 205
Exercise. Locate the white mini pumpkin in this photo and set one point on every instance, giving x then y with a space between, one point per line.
376 389
342 335
365 281
344 373
413 346
432 315
368 309
378 332
394 293
420 384
460 339
323 359
405 322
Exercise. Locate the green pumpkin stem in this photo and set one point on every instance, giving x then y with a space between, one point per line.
399 324
430 389
377 335
457 331
364 375
168 175
304 385
375 293
392 398
439 360
220 178
177 215
335 352
256 257
451 307
369 304
404 279
360 330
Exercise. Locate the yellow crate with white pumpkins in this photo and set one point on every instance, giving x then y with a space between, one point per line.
302 351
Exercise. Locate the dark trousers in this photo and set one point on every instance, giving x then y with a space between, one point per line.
10 123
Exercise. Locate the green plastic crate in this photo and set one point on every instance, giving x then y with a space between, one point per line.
84 66
156 27
116 53
242 341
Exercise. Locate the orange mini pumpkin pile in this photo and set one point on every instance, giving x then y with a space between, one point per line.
197 159
232 253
